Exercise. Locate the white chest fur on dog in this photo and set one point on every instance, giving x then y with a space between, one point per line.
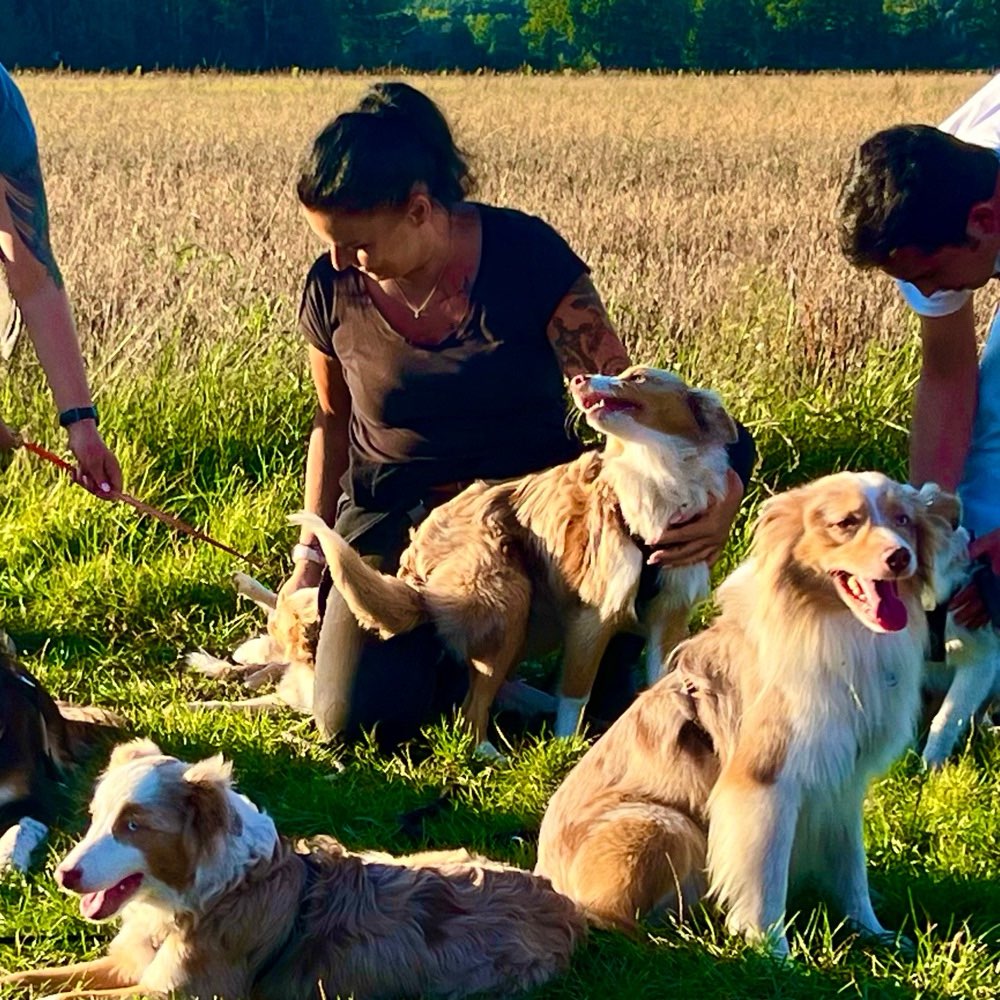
214 903
514 569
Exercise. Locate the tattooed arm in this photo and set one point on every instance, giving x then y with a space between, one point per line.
582 336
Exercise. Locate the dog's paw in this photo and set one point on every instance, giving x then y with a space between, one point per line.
894 941
487 751
18 843
935 754
208 665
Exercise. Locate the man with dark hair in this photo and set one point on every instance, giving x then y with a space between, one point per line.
922 204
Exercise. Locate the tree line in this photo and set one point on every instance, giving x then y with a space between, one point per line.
500 34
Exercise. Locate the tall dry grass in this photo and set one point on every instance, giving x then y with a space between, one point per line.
704 205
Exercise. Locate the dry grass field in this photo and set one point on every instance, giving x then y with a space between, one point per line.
704 206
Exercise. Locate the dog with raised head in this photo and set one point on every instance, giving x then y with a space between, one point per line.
742 772
514 569
214 903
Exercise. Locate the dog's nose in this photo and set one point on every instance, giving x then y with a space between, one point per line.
69 878
898 560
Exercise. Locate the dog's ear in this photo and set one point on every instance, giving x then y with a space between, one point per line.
301 604
212 769
711 416
940 503
133 750
942 544
208 811
780 521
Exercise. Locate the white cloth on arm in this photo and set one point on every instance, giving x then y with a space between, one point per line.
980 485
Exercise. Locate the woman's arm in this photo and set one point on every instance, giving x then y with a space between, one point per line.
582 336
326 458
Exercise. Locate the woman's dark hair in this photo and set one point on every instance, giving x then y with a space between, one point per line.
373 156
911 186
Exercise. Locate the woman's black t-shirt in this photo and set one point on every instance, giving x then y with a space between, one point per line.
487 403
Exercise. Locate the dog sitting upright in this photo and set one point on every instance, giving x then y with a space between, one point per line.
752 756
516 568
215 904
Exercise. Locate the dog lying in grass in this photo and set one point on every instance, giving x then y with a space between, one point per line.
514 569
40 741
214 903
284 654
752 756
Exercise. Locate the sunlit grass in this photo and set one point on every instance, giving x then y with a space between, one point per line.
704 207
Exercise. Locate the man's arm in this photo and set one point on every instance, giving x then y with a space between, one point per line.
36 285
945 398
943 412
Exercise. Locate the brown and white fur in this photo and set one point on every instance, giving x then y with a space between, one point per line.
516 568
752 756
214 903
40 741
969 679
284 653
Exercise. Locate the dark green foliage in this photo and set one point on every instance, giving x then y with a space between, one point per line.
500 34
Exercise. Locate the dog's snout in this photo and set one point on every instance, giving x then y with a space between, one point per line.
898 560
69 878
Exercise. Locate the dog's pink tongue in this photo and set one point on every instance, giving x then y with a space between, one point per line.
888 609
107 902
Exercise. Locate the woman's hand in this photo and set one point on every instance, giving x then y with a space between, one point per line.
304 574
700 538
97 467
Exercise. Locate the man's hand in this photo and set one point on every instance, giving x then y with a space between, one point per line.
702 537
10 441
967 605
97 467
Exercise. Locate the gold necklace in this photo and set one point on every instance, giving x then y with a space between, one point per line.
418 311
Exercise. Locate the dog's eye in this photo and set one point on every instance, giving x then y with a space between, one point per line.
846 523
903 520
132 826
637 379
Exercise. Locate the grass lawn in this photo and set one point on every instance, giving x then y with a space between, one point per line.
704 207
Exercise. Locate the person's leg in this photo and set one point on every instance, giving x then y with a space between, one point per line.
616 683
402 684
338 650
392 686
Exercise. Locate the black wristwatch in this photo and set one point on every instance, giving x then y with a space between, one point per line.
76 414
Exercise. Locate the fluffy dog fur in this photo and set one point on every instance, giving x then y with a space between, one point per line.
215 904
40 740
969 679
517 568
752 756
285 653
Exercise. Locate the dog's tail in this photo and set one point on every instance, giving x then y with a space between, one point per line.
378 601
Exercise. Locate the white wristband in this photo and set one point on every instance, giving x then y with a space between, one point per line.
306 553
